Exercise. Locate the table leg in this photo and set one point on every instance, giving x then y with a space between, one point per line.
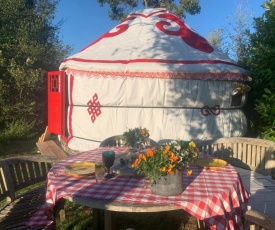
201 225
59 209
97 219
109 220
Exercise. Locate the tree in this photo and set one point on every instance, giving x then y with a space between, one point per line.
216 38
262 67
239 24
119 9
29 47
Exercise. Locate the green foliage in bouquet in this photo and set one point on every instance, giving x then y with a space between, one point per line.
135 135
163 160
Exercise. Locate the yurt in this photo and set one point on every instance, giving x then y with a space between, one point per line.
151 71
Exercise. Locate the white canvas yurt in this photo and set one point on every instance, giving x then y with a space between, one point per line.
151 71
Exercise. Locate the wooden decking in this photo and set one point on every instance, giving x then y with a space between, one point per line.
50 148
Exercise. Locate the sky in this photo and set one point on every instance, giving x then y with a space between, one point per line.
84 20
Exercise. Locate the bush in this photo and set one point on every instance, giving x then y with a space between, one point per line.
17 130
264 106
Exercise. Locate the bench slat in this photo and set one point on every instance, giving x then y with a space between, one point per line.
17 173
252 153
248 153
25 172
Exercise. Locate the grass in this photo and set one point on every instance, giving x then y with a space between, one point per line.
77 217
19 148
172 220
80 217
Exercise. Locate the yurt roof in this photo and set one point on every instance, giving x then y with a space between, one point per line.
153 43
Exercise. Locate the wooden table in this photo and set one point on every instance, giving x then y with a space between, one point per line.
116 206
216 197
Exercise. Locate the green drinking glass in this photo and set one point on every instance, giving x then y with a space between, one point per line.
108 159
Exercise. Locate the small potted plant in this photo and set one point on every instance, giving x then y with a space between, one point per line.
164 166
133 137
137 139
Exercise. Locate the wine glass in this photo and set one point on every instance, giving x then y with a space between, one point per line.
108 158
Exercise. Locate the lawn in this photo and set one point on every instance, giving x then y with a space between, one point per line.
19 147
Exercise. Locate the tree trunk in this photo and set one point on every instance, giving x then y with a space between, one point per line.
146 4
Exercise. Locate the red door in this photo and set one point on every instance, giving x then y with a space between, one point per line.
56 102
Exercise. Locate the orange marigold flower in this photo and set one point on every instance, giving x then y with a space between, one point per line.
144 132
167 148
168 169
141 157
174 158
136 162
170 154
150 152
189 172
171 166
164 169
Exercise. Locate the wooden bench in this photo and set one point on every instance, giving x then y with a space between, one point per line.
248 153
19 173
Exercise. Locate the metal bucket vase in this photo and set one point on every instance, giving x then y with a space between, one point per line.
171 185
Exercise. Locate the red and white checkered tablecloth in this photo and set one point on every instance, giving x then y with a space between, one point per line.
216 197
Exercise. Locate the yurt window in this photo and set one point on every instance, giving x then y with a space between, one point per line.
239 95
54 83
236 100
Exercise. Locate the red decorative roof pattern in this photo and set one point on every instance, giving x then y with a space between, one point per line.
154 43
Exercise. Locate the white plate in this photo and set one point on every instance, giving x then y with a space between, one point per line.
80 169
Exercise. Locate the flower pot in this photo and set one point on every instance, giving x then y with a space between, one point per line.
171 185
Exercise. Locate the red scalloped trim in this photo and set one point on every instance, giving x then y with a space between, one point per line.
161 75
